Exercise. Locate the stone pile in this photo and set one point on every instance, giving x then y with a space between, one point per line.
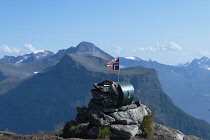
124 121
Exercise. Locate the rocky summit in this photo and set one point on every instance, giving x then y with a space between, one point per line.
131 121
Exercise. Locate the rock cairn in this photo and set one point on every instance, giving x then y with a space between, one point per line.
104 110
124 122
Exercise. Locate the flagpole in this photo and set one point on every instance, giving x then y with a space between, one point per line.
119 71
119 75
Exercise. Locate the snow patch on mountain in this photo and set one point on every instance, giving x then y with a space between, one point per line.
132 57
39 51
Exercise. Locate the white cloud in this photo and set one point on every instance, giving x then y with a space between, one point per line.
175 46
117 49
148 49
7 49
159 47
169 47
30 47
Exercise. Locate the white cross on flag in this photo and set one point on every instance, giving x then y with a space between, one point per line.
114 64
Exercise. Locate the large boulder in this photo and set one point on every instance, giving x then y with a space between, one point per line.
131 116
165 133
125 131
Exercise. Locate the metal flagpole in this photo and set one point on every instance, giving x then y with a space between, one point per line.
119 71
119 75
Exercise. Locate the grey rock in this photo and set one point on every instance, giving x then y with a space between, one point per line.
98 118
124 131
127 107
166 133
147 109
131 116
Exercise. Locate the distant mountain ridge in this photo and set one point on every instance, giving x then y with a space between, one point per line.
50 98
40 101
187 85
16 68
203 63
34 56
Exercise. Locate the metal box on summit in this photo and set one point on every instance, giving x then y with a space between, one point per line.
109 93
126 93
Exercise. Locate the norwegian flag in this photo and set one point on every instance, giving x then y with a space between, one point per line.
114 64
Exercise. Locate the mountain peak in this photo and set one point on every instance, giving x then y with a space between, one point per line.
203 63
204 58
86 47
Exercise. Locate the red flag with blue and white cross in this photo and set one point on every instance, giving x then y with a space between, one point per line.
114 64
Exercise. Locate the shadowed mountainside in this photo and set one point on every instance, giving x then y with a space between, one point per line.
50 98
13 69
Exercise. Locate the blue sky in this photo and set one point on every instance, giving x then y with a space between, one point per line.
169 32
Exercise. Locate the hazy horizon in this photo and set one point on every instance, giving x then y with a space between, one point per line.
170 32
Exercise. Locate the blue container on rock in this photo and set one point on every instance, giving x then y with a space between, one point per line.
126 93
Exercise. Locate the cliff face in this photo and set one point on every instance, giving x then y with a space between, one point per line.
149 91
50 98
